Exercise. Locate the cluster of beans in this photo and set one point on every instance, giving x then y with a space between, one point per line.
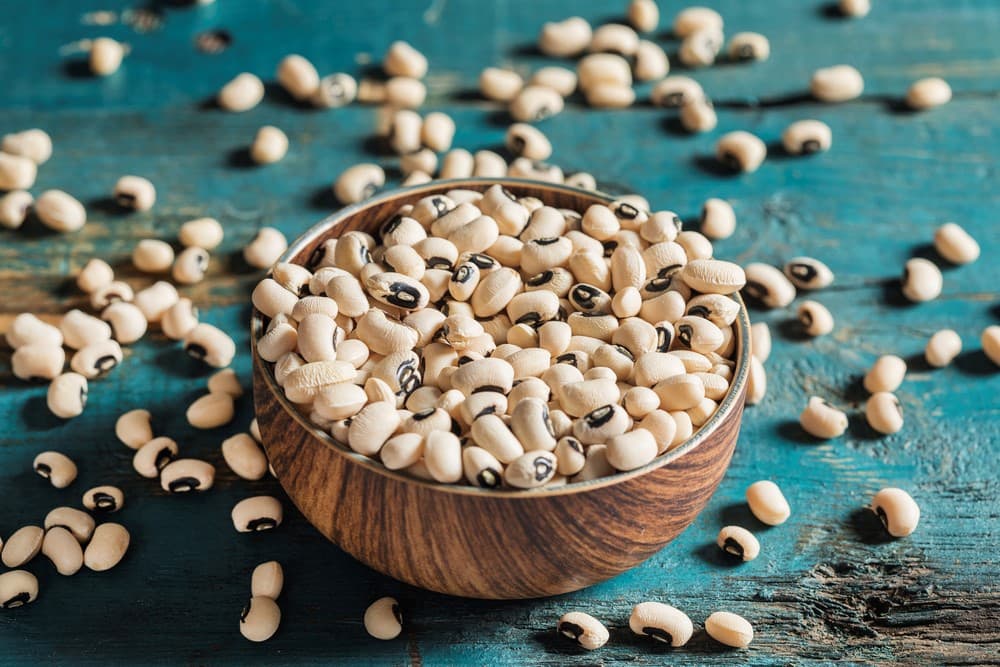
496 341
261 616
156 457
922 281
667 624
68 537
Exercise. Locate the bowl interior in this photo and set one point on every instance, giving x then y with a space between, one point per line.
368 215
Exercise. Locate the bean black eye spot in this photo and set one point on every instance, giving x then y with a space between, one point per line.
195 350
213 41
43 469
540 279
600 416
571 630
261 524
658 633
488 478
684 334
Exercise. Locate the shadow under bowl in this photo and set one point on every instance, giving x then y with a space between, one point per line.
480 543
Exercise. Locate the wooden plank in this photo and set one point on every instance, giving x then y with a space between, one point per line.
827 586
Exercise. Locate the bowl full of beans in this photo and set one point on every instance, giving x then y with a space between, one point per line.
500 388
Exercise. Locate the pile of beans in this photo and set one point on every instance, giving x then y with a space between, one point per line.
477 338
489 339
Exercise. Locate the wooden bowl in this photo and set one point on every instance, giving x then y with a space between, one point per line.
475 542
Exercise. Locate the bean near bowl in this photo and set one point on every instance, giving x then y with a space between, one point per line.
488 543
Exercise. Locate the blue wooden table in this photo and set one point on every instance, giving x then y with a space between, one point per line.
828 585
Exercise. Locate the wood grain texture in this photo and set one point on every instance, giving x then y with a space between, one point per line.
511 545
828 587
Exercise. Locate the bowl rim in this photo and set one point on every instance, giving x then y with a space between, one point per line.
729 404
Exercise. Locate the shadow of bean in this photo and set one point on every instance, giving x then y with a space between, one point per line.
868 527
37 416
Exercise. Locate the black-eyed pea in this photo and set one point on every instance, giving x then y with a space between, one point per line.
579 398
190 266
631 450
358 183
698 115
16 172
204 233
260 619
822 420
278 341
614 38
402 451
701 48
583 628
80 329
565 38
922 280
267 580
955 244
928 93
139 194
768 285
464 280
491 433
675 91
886 374
134 428
760 341
34 144
749 46
128 324
697 334
570 456
713 276
187 475
500 85
97 358
602 373
600 222
815 318
155 300
180 319
27 329
403 92
741 151
310 305
883 412
17 588
340 401
601 424
531 470
56 467
265 248
854 8
443 456
682 391
56 209
38 361
210 345
661 622
298 77
349 295
559 79
212 410
942 348
522 335
839 83
114 292
423 398
107 547
808 273
899 513
604 95
152 456
335 91
104 498
588 298
256 514
545 222
729 629
628 268
663 427
241 94
525 140
67 394
383 619
718 220
990 340
379 391
95 274
482 403
702 412
14 207
244 456
554 336
767 503
562 423
757 383
593 325
684 427
495 291
716 386
535 103
371 427
805 137
22 546
651 63
318 336
738 542
530 423
603 69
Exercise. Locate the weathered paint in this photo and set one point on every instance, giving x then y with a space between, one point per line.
827 586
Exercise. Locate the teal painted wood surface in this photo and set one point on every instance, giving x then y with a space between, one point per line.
827 587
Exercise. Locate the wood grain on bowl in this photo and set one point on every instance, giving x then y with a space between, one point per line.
483 543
